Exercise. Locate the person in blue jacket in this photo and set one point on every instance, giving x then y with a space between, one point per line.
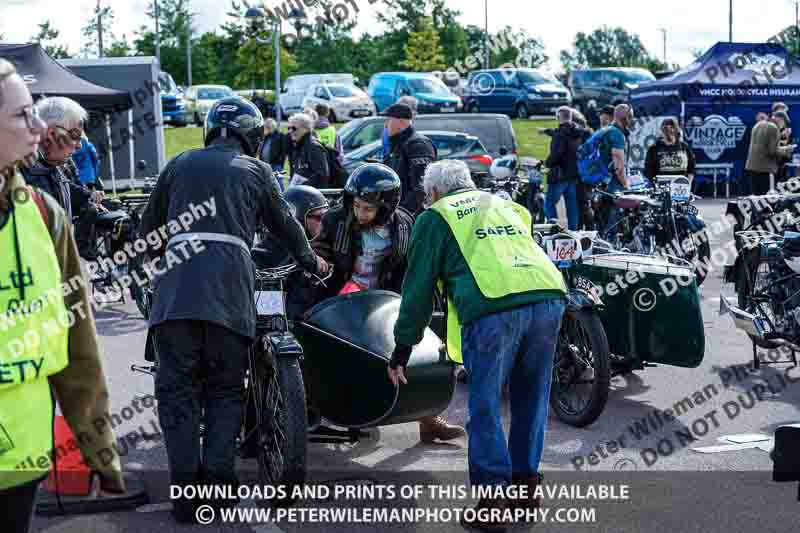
85 158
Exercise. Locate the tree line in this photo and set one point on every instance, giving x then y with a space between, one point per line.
422 35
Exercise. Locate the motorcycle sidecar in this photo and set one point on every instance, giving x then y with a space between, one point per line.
347 343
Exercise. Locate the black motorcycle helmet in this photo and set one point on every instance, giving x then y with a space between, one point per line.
376 184
302 200
235 117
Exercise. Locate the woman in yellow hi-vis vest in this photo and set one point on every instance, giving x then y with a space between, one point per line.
505 303
40 345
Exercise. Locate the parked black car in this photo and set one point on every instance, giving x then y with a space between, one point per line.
605 86
449 145
494 130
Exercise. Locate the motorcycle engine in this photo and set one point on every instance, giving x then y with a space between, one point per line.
784 291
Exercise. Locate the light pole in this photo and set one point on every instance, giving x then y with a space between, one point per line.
255 13
796 40
486 33
664 31
158 33
730 21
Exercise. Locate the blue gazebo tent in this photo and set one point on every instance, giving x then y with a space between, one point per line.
716 99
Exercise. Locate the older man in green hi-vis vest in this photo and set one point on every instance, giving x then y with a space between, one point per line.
505 302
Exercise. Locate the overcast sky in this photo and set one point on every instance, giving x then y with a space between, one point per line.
690 24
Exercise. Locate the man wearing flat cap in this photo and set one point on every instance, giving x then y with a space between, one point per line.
409 154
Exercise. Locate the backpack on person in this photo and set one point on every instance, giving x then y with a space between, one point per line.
591 167
337 172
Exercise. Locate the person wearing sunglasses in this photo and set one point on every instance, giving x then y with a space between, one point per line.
64 118
670 155
308 160
39 253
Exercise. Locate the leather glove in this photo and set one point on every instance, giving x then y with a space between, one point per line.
400 356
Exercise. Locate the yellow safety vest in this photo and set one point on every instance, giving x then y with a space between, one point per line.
33 345
327 136
494 235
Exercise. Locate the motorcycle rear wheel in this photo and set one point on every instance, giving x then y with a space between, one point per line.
582 358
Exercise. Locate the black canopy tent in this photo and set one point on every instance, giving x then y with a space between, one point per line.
46 77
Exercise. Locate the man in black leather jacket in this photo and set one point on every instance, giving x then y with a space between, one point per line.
203 316
409 155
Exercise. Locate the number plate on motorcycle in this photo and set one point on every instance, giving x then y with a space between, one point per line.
269 303
563 250
680 190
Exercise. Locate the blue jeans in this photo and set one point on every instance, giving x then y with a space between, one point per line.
554 193
517 346
278 168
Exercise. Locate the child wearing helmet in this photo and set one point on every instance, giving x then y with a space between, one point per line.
367 236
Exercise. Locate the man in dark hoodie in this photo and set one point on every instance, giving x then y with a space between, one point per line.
669 156
563 164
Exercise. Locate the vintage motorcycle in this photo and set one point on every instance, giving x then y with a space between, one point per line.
614 327
582 357
765 282
518 179
659 220
329 366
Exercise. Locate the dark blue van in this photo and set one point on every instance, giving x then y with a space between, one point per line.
519 92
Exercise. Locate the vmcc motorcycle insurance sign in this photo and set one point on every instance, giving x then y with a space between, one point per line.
714 134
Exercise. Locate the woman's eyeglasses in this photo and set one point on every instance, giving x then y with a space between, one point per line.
30 114
291 128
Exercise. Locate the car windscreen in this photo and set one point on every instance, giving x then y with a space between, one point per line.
534 78
167 83
429 85
343 91
447 146
213 94
365 151
637 76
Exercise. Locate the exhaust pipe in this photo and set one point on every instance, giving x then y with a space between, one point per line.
743 320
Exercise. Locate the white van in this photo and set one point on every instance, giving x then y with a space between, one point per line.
295 88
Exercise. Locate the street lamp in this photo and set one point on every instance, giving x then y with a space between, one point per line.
256 13
664 31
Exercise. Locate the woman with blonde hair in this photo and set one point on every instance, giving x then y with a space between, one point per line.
42 363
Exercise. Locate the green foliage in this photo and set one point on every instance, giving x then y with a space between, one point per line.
423 51
119 48
609 47
91 44
256 62
46 37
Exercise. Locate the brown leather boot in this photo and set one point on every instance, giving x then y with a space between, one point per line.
436 427
486 517
532 502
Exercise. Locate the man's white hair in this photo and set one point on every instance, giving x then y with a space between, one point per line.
61 111
303 120
446 176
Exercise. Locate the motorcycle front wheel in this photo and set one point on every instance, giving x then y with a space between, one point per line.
282 424
581 369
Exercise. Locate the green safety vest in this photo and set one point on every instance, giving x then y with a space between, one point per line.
327 136
33 346
494 235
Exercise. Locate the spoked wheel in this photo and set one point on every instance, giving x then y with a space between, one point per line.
281 423
760 306
581 370
142 294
